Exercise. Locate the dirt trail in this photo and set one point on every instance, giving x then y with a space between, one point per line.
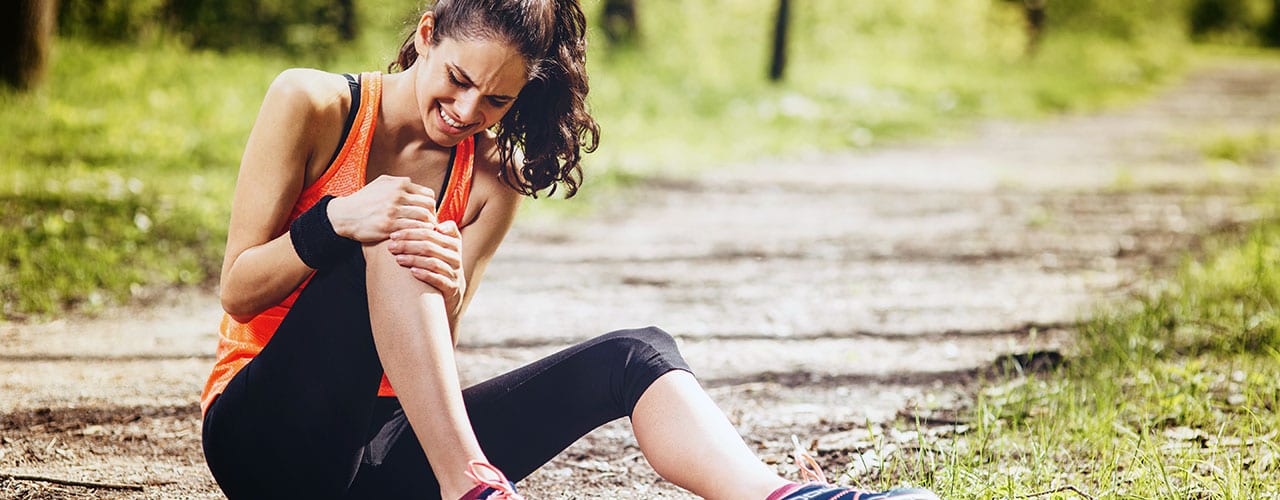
817 296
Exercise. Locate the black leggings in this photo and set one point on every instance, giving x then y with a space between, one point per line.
303 420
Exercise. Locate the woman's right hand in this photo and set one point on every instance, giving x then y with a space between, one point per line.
384 206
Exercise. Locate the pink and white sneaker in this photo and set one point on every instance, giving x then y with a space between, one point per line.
491 484
816 486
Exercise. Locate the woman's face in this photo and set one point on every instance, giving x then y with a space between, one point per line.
465 86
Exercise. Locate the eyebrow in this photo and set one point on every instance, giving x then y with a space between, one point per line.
467 79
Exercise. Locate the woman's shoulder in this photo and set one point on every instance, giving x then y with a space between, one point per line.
487 178
319 93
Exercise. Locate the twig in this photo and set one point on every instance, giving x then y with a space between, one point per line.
68 482
1068 487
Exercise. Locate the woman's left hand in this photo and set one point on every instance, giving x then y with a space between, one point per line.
433 254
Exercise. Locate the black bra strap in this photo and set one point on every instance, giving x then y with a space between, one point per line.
448 172
350 121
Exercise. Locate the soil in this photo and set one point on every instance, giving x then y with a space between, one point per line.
827 296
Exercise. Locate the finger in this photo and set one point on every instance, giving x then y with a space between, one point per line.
450 228
429 264
429 233
416 212
419 189
425 231
421 262
403 224
425 249
441 283
427 201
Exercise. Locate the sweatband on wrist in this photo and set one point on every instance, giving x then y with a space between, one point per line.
315 240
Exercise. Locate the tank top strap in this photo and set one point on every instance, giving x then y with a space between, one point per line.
347 173
458 192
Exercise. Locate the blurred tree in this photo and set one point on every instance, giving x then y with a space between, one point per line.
619 21
347 22
1227 17
1271 30
778 62
24 42
1035 14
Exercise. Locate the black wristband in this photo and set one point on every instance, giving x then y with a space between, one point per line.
314 239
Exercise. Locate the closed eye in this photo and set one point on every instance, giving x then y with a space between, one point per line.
455 81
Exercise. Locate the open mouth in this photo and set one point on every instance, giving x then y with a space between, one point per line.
450 121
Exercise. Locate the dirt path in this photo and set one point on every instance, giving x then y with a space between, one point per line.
817 296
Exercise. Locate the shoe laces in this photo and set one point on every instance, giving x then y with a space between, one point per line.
810 470
502 488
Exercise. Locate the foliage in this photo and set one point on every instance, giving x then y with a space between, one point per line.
1270 31
858 76
1229 20
688 95
1122 19
296 25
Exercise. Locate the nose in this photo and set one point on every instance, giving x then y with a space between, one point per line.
468 106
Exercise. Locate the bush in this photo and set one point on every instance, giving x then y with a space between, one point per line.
1239 21
293 25
1124 19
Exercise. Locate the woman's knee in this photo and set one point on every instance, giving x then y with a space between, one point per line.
650 336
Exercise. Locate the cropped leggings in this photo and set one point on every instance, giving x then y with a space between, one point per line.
303 419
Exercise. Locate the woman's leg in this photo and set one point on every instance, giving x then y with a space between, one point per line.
525 417
294 421
415 344
688 441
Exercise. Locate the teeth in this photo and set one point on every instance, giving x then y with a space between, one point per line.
448 120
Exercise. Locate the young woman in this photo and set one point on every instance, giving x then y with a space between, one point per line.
366 209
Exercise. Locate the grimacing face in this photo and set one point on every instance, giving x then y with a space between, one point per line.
465 86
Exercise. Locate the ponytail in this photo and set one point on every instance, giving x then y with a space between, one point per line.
550 119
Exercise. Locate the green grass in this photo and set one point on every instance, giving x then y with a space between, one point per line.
1177 396
1253 148
115 177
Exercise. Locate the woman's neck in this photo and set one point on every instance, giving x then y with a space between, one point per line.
400 124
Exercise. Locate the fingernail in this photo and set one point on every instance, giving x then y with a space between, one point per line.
402 259
395 246
397 235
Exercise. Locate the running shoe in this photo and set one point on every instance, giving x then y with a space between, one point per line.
816 486
490 483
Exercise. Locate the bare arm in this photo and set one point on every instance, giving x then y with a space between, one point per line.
261 267
483 238
302 114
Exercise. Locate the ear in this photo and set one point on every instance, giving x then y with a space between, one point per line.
422 35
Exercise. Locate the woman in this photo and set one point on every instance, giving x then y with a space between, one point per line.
343 263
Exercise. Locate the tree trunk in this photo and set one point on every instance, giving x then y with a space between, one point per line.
347 19
24 42
1035 13
620 24
778 63
1271 31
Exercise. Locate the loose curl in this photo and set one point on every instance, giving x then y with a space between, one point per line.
549 120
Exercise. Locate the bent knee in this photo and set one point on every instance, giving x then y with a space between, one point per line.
649 335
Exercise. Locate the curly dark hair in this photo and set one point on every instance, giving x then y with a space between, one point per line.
549 120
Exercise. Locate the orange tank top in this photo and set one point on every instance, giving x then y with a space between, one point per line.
238 342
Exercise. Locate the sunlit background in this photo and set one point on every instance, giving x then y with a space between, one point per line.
117 165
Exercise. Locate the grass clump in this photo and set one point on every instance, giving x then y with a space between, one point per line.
1177 397
1250 148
